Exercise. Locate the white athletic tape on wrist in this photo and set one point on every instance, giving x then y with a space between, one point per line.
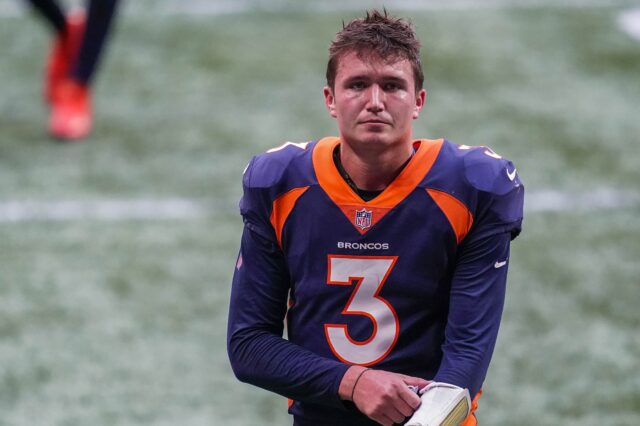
442 405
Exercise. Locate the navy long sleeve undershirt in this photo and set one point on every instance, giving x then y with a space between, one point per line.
258 353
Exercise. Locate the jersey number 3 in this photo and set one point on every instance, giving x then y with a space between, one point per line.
369 274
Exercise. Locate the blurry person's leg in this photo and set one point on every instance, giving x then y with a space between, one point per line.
71 115
51 12
99 21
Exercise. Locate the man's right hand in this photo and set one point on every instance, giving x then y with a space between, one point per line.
381 395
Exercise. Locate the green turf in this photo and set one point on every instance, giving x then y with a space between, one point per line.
123 323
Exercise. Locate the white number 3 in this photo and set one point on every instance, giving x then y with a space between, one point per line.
370 273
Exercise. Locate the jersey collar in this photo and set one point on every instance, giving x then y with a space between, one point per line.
346 198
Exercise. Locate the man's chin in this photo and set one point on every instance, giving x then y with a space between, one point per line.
371 138
377 138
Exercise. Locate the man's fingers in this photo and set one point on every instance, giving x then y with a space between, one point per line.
395 415
415 381
408 402
384 420
410 397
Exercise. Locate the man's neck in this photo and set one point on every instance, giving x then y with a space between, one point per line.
374 171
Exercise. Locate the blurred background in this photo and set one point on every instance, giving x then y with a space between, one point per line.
116 253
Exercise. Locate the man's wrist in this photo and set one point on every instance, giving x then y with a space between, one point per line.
349 381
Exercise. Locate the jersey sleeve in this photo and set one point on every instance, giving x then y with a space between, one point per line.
258 353
479 279
500 194
254 204
475 309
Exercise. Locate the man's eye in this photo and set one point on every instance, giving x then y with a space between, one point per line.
358 85
391 87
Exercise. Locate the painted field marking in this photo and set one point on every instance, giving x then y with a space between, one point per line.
576 202
629 22
102 210
185 209
225 7
207 7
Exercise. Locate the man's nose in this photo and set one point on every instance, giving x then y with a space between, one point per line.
375 101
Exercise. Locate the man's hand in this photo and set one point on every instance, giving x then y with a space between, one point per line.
381 395
442 404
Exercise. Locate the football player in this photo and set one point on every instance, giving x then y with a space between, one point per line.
386 254
72 62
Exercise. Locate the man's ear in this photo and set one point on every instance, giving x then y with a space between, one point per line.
421 98
330 101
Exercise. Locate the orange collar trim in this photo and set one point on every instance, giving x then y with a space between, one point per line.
348 201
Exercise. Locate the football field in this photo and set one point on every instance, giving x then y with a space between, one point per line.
116 253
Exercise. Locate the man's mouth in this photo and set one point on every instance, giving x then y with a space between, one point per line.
374 121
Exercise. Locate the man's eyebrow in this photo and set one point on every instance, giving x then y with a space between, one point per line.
385 78
394 79
358 77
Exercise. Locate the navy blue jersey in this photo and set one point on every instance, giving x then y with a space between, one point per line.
412 281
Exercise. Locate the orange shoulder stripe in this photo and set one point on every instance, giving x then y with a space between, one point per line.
456 212
282 207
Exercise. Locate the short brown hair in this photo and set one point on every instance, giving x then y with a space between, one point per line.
378 34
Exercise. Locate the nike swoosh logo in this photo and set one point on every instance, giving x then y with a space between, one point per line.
500 264
511 175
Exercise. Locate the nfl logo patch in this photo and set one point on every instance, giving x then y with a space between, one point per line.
363 218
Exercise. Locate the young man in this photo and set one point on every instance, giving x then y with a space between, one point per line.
388 255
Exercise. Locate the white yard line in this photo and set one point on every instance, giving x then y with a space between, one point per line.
461 5
11 9
101 210
223 7
571 202
208 7
629 22
184 209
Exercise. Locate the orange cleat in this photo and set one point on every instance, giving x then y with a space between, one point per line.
71 115
63 53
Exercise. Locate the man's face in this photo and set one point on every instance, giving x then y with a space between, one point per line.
374 101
